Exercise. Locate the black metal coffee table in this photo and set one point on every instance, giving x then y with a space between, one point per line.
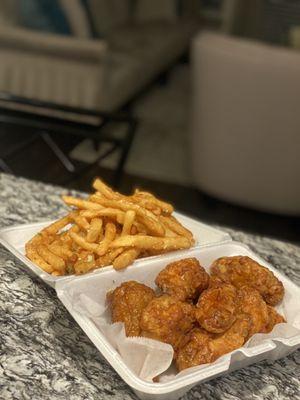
45 119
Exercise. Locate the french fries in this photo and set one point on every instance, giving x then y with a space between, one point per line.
107 228
95 230
128 221
126 258
109 235
152 242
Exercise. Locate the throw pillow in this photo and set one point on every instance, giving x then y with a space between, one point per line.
44 15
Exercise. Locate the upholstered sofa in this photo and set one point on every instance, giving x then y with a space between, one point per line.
245 131
103 73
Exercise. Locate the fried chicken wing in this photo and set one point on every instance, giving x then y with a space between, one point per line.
127 302
184 279
233 338
242 270
274 319
215 282
216 308
196 351
203 347
253 305
167 319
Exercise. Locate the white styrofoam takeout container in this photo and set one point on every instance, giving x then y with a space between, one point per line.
211 244
146 273
15 238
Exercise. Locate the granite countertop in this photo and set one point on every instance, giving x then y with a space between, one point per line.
44 354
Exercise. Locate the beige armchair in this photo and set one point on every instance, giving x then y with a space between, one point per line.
99 74
77 84
245 135
47 67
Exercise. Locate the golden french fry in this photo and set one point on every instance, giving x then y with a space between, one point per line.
84 265
147 200
56 226
64 238
79 203
128 221
56 273
60 250
140 228
80 220
52 259
74 228
114 228
145 203
113 213
81 242
109 236
175 226
108 258
126 258
33 255
147 218
170 233
89 214
36 239
105 190
152 242
95 230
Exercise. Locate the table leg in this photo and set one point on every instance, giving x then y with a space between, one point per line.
58 152
125 148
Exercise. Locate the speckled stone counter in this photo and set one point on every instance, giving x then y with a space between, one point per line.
45 355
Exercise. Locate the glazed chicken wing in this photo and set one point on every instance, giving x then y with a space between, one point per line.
216 308
184 279
251 303
233 338
127 302
195 351
274 319
242 270
167 319
203 347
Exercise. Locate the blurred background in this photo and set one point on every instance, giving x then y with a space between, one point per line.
195 100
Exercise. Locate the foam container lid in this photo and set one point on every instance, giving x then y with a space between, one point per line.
14 239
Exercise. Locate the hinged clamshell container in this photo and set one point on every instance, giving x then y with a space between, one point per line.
210 244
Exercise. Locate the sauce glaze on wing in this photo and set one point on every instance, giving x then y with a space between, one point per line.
242 270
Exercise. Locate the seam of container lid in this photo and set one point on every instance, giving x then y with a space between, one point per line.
53 280
290 342
259 349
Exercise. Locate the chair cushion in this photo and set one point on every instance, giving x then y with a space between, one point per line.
149 10
139 52
50 79
135 55
108 15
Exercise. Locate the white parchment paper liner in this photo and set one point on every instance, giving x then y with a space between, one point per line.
149 358
146 357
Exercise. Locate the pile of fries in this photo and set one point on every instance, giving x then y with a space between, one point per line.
107 229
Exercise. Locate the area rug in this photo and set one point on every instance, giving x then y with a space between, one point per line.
160 150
